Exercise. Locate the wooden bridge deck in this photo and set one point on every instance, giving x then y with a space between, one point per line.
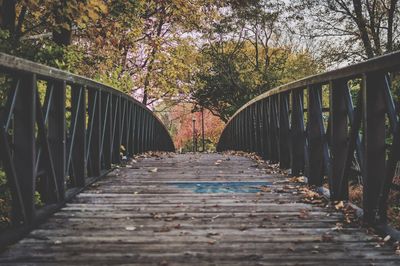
195 210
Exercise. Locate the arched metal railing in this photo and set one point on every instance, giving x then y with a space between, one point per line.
60 131
326 125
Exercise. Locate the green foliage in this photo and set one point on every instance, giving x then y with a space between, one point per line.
117 79
230 77
5 206
5 45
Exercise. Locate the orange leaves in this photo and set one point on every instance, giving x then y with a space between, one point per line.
181 117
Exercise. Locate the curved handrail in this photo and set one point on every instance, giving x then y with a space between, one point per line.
273 124
385 62
15 64
60 131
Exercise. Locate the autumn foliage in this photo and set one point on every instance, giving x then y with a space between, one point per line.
181 118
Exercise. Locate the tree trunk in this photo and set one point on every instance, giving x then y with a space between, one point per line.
62 35
389 45
8 16
151 62
374 26
362 27
147 78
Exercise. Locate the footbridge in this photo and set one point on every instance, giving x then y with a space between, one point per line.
92 177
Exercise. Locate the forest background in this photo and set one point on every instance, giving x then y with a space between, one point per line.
179 57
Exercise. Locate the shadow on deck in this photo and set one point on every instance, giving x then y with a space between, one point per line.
203 209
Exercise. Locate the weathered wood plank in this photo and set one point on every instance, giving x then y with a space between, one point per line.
195 210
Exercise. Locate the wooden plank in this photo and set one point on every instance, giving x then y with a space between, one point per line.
138 217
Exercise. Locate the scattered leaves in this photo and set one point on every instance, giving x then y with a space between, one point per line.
153 170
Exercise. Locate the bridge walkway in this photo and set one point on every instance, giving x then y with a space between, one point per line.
197 209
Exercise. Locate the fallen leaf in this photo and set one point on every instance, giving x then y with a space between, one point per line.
338 227
242 227
154 170
177 226
265 189
163 229
130 228
211 242
387 238
304 214
339 205
327 238
210 234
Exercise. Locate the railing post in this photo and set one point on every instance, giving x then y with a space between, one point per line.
141 130
94 141
116 158
267 133
247 130
260 129
374 142
274 129
394 151
297 133
284 132
256 123
316 135
124 119
131 136
106 118
339 125
77 143
240 136
137 131
24 144
146 132
57 135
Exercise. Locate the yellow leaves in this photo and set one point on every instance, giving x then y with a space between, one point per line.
339 205
65 26
93 14
88 11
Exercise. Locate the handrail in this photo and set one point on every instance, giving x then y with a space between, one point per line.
60 131
386 62
274 125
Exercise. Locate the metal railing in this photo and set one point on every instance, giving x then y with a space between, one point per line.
60 131
320 137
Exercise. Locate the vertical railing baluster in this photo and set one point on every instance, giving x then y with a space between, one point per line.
117 130
268 149
77 143
274 130
394 151
106 118
132 131
373 85
339 125
284 133
57 135
95 132
123 132
141 131
24 144
297 133
315 136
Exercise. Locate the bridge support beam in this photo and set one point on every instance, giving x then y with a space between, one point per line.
316 136
297 159
338 133
373 85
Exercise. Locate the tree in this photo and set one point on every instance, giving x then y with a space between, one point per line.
245 55
230 78
179 121
350 30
